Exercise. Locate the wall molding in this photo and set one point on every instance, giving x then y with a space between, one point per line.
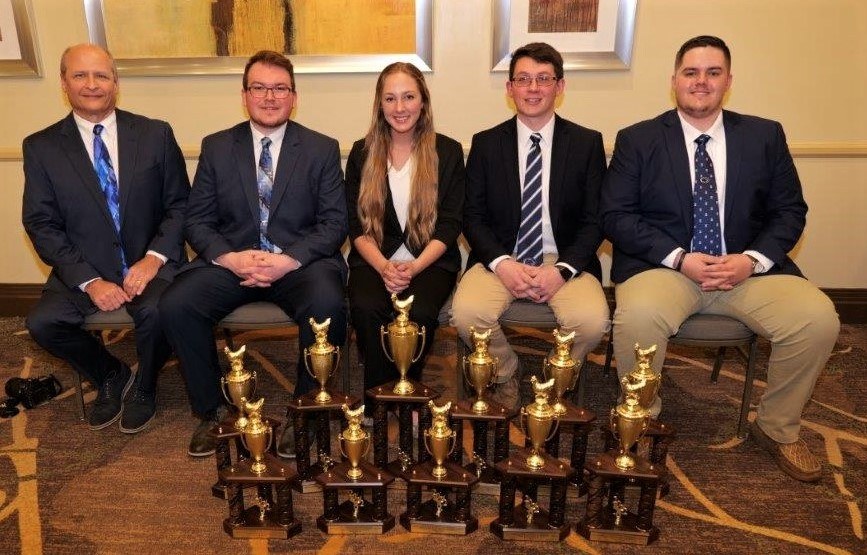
16 299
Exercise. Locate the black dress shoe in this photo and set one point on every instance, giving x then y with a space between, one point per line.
286 445
138 409
203 442
109 401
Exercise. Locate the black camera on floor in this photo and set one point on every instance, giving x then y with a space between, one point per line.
32 392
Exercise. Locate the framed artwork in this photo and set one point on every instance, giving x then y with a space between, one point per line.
208 37
590 34
19 54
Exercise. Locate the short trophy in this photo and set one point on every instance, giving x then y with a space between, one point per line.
562 368
404 347
256 435
238 385
480 368
354 441
540 423
629 422
642 379
439 439
322 358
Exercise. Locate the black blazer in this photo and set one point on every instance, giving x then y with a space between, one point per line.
64 209
647 198
492 213
450 202
308 208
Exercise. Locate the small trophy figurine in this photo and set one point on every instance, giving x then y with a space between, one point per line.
238 385
642 380
480 368
256 435
540 426
354 441
322 358
562 368
403 343
629 420
439 439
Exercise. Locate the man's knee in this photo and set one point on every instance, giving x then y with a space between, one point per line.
40 326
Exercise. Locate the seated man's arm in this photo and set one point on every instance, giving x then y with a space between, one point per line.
477 227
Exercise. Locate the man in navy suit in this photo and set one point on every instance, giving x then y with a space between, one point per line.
679 251
104 255
531 218
267 217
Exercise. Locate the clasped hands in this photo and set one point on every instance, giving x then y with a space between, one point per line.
108 296
534 283
258 268
397 275
717 273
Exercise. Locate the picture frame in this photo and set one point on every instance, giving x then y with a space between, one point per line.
19 50
145 65
608 48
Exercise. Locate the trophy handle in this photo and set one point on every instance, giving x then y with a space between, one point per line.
382 334
578 369
340 445
426 435
421 348
367 448
521 416
336 362
454 443
307 364
270 438
612 420
496 365
553 429
223 389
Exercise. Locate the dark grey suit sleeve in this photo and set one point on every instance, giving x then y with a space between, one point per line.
169 238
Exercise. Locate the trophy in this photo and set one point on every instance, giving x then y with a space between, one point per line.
403 344
629 422
540 426
238 384
354 441
480 368
642 380
439 439
256 435
562 368
322 358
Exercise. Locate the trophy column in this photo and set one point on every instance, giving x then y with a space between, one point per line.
660 436
481 464
263 518
384 399
358 514
449 510
579 422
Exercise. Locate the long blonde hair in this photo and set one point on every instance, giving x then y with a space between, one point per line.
423 185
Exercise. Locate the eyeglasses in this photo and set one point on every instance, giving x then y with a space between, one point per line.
543 80
258 90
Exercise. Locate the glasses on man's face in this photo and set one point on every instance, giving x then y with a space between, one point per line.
543 80
258 90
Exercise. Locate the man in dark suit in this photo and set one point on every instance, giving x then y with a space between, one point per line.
531 217
719 246
267 216
104 196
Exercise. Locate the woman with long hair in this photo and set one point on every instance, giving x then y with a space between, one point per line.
405 190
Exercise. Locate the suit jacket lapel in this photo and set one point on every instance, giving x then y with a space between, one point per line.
289 152
246 162
509 153
734 148
559 155
679 161
127 151
80 160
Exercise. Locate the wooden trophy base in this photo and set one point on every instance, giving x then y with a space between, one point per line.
455 486
255 527
489 481
538 530
365 524
626 532
497 416
226 433
411 445
372 517
429 523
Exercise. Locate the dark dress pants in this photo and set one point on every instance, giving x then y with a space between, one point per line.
201 296
370 306
55 324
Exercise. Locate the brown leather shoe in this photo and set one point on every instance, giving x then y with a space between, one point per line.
795 459
506 393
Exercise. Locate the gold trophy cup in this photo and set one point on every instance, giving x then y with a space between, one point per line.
562 368
256 435
540 422
439 439
322 358
642 380
480 368
629 422
238 384
403 345
354 441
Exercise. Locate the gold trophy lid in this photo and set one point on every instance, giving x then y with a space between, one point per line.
643 363
402 307
320 346
353 420
480 354
561 354
440 424
255 424
237 373
540 407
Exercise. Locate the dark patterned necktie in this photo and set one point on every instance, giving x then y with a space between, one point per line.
706 237
108 183
529 245
265 183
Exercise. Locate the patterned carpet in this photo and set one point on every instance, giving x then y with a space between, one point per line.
66 489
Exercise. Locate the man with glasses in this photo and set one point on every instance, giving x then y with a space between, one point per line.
267 217
530 218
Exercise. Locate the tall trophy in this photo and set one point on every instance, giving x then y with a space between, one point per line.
540 422
642 379
322 358
256 435
439 439
562 368
629 422
238 385
403 342
480 368
354 441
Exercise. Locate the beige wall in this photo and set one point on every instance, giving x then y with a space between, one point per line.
803 62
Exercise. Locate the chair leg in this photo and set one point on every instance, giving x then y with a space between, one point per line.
748 388
717 365
80 395
578 396
460 380
609 355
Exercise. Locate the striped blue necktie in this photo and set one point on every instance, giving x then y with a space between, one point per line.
528 248
706 237
265 183
108 183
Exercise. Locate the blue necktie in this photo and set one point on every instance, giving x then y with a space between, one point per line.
706 237
265 183
529 246
108 183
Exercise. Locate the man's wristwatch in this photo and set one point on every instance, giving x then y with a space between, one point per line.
565 273
755 262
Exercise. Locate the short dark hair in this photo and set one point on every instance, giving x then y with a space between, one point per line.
271 58
540 52
702 41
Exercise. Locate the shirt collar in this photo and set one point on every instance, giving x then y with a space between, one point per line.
547 132
109 123
690 133
276 136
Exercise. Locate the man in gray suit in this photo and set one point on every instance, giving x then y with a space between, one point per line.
104 195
